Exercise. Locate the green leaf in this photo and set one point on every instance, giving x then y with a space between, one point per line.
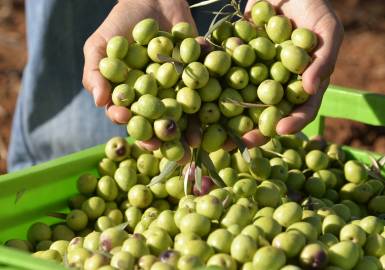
302 136
57 215
198 169
167 169
381 161
19 195
105 253
162 57
122 226
240 144
216 25
247 105
186 179
204 3
178 67
207 162
65 259
372 174
176 53
375 167
219 13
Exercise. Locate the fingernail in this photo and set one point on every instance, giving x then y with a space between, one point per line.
95 92
120 122
316 83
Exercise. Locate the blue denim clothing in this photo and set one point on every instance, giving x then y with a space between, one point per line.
55 116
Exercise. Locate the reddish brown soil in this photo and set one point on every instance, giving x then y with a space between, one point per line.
360 65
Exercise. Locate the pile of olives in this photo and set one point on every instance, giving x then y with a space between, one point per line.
297 205
164 77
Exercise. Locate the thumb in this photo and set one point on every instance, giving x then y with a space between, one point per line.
324 57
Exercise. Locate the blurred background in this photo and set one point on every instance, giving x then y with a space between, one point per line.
360 65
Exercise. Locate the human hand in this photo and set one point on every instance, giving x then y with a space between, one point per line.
318 16
120 22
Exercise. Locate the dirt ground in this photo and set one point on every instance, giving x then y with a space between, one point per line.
360 65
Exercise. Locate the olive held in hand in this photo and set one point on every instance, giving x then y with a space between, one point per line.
223 32
268 121
167 35
132 77
206 48
117 149
166 75
190 50
145 30
159 45
304 38
123 95
244 56
270 92
165 128
117 47
152 68
150 107
258 73
255 113
195 75
182 31
145 84
136 57
244 30
139 128
237 77
261 12
295 93
279 47
295 59
227 108
229 45
113 69
213 138
189 99
279 73
217 63
263 48
279 28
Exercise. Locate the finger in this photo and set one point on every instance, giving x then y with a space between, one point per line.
187 152
152 144
304 114
93 80
251 139
173 12
118 114
228 145
324 58
254 138
193 131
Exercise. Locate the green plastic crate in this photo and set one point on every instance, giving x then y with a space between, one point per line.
48 186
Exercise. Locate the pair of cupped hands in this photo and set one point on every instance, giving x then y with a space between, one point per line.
316 15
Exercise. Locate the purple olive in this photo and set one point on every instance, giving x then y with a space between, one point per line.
207 186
